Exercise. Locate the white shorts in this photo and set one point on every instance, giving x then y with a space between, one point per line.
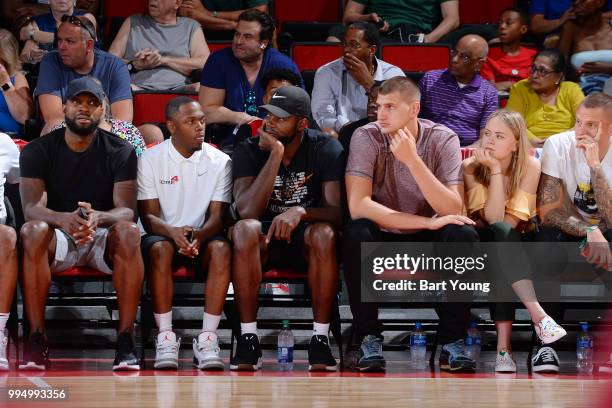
68 254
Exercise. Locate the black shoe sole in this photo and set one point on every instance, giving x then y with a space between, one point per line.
322 367
467 368
373 367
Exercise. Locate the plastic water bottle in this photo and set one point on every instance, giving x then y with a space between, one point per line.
584 351
472 343
285 348
418 344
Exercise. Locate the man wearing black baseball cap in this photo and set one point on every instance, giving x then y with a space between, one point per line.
78 189
287 191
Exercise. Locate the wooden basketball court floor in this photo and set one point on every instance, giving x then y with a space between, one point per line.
89 382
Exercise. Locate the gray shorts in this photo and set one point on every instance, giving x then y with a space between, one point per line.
68 254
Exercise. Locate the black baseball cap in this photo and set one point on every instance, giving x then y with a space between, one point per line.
289 101
85 84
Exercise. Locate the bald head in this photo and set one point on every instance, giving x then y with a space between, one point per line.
476 45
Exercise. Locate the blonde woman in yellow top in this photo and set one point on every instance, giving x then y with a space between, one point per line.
547 102
501 180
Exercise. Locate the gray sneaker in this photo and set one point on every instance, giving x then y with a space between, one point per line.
372 359
454 359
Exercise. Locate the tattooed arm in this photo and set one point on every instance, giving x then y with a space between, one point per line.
603 195
555 208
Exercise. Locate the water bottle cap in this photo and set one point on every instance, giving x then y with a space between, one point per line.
285 323
584 327
418 325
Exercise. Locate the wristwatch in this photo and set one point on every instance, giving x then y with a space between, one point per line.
7 86
131 68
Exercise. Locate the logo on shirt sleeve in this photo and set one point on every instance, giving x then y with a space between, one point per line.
171 181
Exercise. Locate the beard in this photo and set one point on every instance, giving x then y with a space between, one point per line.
82 130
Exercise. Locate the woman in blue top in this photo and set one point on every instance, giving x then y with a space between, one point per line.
39 33
15 100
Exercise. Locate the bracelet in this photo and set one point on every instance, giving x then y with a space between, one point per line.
215 14
494 174
591 229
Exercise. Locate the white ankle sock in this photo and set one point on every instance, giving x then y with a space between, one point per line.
210 322
248 328
163 321
321 329
3 319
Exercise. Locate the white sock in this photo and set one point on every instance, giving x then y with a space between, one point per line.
163 321
3 319
321 329
248 328
210 322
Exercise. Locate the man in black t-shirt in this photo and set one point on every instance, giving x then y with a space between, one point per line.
287 192
78 189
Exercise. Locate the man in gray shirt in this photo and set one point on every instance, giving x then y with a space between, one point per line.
161 49
340 92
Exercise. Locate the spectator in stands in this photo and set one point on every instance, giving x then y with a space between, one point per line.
401 172
80 213
511 62
13 9
287 191
341 87
588 40
124 130
458 97
161 50
403 20
9 172
220 15
345 133
77 57
39 32
277 78
183 219
549 16
501 181
575 199
546 101
15 101
231 87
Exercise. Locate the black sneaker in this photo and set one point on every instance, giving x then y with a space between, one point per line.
248 354
320 357
125 354
545 361
36 354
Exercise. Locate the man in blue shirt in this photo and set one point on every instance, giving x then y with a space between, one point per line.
76 57
231 89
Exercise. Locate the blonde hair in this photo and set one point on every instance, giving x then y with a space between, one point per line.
9 52
518 163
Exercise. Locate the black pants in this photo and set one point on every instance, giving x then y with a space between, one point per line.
454 317
507 267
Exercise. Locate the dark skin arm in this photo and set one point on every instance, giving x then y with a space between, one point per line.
150 211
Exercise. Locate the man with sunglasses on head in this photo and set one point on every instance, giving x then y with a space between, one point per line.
75 57
341 87
458 97
231 88
78 191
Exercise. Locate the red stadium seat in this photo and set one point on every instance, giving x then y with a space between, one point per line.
115 11
149 107
314 10
416 57
310 56
214 46
482 11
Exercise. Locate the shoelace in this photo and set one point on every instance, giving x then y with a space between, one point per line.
547 355
168 348
206 345
373 346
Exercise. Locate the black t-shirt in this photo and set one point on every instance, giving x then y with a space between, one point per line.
71 176
319 159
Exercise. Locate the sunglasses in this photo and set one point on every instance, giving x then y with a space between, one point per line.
79 23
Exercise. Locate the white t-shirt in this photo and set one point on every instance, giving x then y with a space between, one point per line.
9 168
184 187
561 159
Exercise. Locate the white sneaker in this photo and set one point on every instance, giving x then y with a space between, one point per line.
4 364
206 352
548 330
166 351
504 363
